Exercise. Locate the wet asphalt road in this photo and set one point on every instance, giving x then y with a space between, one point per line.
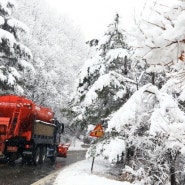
28 174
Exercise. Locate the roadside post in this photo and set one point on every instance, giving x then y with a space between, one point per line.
97 132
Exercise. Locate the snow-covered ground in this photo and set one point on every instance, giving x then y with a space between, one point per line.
80 174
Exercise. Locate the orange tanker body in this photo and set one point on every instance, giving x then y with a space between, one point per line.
28 130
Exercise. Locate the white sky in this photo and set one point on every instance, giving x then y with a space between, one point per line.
93 16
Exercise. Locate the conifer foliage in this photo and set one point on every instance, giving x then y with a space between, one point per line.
104 81
142 135
13 54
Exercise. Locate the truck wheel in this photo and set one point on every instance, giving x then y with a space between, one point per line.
42 155
27 160
36 156
53 158
12 159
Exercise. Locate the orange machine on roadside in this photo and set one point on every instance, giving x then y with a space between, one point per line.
29 131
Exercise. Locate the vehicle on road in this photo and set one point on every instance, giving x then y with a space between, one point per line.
29 131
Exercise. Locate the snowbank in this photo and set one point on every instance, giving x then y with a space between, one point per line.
80 174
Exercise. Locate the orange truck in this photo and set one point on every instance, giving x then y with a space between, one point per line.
29 131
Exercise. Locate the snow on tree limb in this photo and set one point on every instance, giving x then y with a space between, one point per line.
18 25
6 6
11 50
4 35
161 34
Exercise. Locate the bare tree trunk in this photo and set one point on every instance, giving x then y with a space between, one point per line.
153 78
125 65
172 173
172 160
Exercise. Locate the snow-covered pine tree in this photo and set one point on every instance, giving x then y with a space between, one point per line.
145 130
105 80
161 42
149 121
175 85
159 37
14 56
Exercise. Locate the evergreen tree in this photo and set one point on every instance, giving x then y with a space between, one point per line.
161 43
105 81
159 39
14 56
141 137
